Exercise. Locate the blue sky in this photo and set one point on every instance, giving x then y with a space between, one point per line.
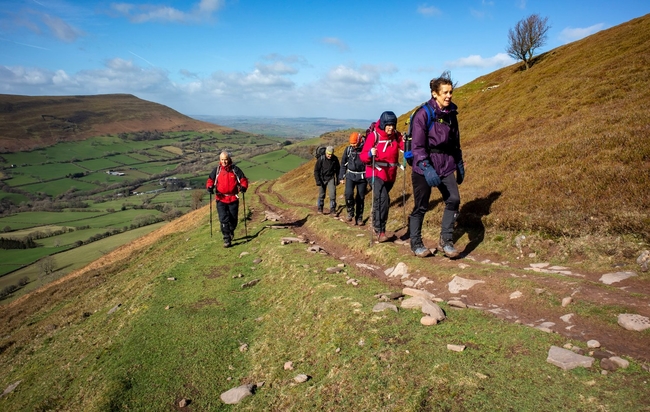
335 58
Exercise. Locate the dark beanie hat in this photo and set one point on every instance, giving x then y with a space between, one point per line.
387 118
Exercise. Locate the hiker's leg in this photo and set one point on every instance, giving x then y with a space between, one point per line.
233 212
224 220
377 186
451 197
385 204
321 198
331 190
360 198
349 197
421 195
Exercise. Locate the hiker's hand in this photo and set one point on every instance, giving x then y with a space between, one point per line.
242 189
460 172
211 190
430 174
373 152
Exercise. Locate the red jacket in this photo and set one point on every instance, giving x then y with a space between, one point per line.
386 160
227 182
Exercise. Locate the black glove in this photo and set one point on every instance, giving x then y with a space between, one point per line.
430 174
211 190
242 189
460 172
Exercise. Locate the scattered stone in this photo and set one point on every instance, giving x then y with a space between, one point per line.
171 278
433 310
367 267
236 395
577 350
361 342
609 278
516 295
183 403
268 215
538 265
428 320
243 347
593 344
389 295
401 270
258 260
333 270
456 348
10 388
539 291
243 254
608 365
633 322
337 350
382 306
568 360
167 307
567 301
567 346
288 366
250 284
602 354
418 293
463 265
352 282
567 318
301 378
315 249
239 275
457 304
287 240
422 281
114 308
644 260
458 284
620 362
341 265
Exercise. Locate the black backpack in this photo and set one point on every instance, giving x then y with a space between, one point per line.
320 151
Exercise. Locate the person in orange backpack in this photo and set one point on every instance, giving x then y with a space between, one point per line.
225 182
380 153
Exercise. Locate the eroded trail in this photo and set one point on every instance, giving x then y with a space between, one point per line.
541 294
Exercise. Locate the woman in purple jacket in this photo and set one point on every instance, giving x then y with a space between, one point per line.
436 156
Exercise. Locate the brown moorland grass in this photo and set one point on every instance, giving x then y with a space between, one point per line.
565 143
29 122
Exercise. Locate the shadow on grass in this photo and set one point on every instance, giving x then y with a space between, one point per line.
470 221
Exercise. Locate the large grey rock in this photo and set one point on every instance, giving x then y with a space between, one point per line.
567 360
609 278
633 322
401 271
458 284
235 395
382 306
433 310
415 302
418 293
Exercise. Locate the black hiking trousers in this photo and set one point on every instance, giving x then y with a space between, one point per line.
354 203
228 218
380 203
421 194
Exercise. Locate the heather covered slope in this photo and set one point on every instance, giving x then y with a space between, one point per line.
28 122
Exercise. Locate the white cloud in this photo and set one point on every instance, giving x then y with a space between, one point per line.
142 13
569 34
426 10
476 61
336 42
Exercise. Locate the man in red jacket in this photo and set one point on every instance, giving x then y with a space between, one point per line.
226 181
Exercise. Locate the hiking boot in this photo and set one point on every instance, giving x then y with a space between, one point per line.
350 217
359 221
421 251
320 210
447 247
227 244
381 237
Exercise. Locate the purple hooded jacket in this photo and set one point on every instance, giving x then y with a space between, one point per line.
440 144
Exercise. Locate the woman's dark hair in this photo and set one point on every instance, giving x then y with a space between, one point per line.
445 78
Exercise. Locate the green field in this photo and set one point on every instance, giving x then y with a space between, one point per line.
30 219
57 187
99 164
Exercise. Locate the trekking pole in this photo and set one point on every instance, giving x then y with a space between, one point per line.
210 200
245 215
372 201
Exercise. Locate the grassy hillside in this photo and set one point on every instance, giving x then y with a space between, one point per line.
29 122
563 147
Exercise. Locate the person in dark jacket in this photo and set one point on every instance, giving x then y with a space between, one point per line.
226 181
326 174
353 172
436 157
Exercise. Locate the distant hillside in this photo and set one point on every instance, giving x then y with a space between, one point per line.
292 128
28 122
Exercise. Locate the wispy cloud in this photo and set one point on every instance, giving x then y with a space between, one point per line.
426 10
333 41
476 61
60 29
570 34
142 13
